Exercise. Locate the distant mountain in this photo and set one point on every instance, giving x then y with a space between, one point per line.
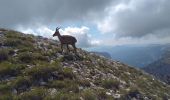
160 68
105 54
34 68
135 55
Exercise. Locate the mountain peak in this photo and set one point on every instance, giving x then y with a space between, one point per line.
33 67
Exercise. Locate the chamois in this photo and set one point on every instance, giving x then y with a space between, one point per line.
66 39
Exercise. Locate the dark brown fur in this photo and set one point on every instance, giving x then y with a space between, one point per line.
66 39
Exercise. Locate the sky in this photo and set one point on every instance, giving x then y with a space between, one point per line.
92 22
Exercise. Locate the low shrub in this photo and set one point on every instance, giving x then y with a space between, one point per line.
68 73
133 94
12 34
101 95
66 96
65 85
15 34
28 57
4 89
89 95
3 55
21 83
16 39
41 71
59 84
84 83
9 69
12 42
6 97
110 84
33 94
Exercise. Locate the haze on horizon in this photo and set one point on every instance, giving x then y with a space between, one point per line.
93 22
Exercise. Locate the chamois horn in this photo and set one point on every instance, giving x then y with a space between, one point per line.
57 28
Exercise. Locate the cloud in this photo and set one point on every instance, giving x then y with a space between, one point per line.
81 33
136 18
31 12
40 31
147 39
129 20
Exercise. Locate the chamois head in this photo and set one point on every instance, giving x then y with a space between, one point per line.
56 32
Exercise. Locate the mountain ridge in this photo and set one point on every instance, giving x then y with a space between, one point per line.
160 68
135 55
105 54
33 68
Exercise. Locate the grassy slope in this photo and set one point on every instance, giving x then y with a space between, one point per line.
34 68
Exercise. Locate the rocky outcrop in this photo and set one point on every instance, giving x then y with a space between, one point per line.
35 69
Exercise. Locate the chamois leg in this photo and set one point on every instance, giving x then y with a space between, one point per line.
75 49
68 48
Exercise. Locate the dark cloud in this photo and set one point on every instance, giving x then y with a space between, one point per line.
14 12
150 17
137 18
125 18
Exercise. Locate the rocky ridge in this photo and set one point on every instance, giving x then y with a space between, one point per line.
33 68
161 68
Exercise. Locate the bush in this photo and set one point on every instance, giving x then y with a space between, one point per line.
98 81
68 73
84 83
16 39
15 34
28 57
65 85
29 38
101 94
3 55
26 49
6 97
59 84
33 94
4 89
89 95
7 68
66 96
18 43
40 57
41 71
12 34
21 84
12 42
11 52
110 84
133 94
